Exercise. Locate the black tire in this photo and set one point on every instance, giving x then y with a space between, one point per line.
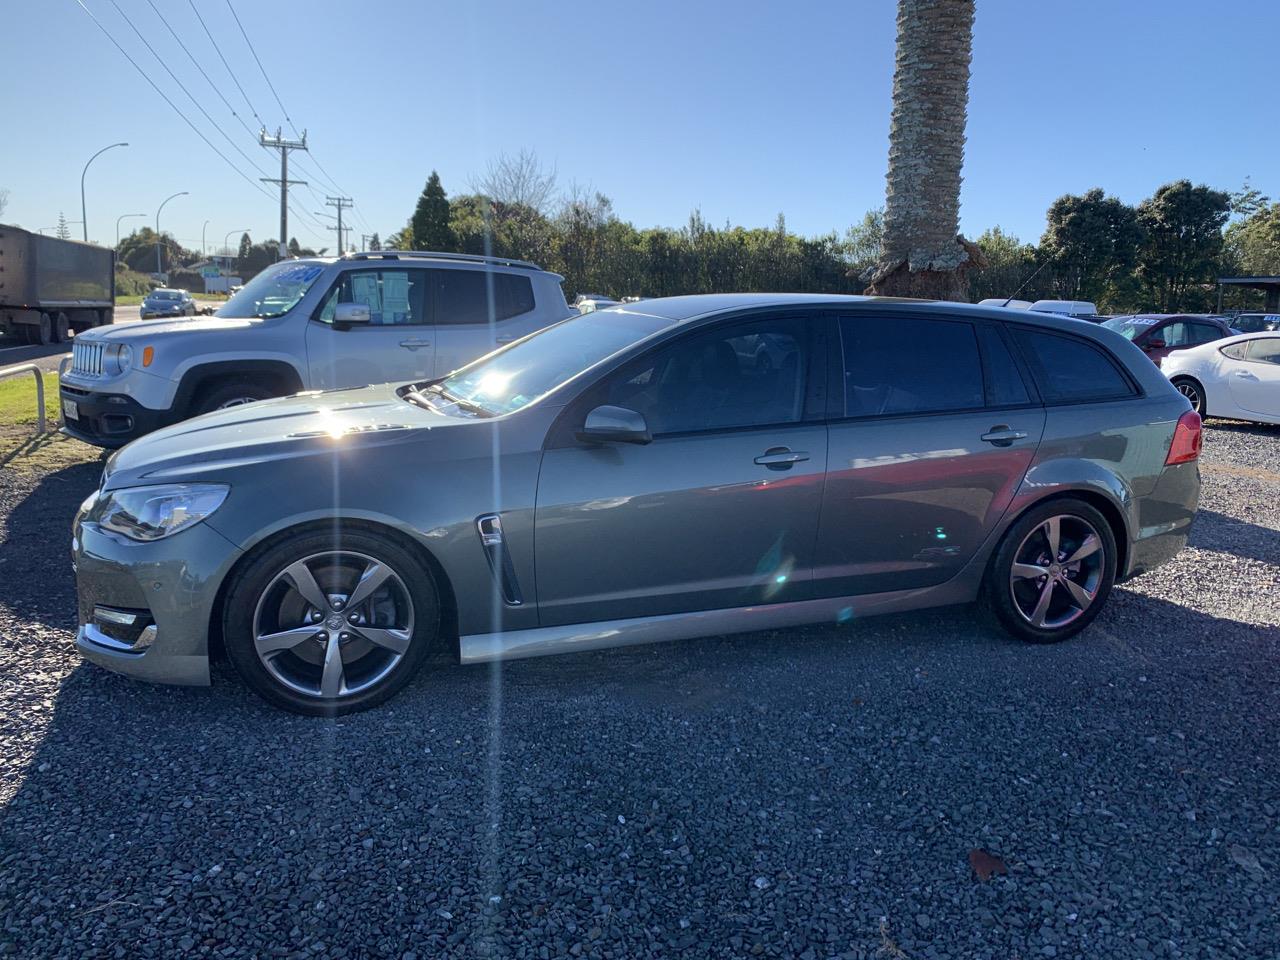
231 393
252 608
1193 390
61 329
42 332
1014 597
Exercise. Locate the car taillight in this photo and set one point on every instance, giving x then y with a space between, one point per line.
1187 440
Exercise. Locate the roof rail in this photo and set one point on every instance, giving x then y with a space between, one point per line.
432 255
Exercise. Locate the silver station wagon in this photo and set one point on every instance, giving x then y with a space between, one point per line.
650 472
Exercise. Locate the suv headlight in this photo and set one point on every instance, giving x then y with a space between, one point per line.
117 359
153 513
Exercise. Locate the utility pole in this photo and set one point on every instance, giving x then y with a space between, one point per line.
284 146
342 203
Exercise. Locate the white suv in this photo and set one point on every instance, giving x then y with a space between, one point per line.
311 324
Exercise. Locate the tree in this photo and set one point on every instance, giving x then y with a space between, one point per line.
4 200
864 243
63 232
1092 244
518 181
246 247
137 251
1247 201
375 243
294 248
924 254
1252 245
1182 245
1010 263
430 222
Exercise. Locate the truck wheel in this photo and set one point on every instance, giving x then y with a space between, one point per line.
42 332
61 329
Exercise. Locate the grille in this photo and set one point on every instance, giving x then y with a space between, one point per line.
86 358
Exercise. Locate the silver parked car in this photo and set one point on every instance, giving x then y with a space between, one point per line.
167 303
640 474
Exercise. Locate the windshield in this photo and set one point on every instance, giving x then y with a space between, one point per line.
1131 327
274 291
164 295
526 371
1254 323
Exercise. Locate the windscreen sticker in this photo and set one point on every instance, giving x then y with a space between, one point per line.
1144 321
1271 318
300 274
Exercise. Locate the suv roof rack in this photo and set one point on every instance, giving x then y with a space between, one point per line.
432 255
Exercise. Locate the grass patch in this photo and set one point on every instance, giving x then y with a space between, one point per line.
21 451
18 400
135 300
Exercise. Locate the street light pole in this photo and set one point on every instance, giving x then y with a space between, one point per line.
84 216
159 265
203 249
124 216
226 241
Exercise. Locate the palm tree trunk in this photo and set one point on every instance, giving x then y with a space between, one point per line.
924 256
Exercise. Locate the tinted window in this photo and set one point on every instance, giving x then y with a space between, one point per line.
738 376
909 365
394 297
1069 370
478 296
1265 350
1199 333
1003 381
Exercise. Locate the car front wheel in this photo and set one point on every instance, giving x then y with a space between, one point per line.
326 624
1053 571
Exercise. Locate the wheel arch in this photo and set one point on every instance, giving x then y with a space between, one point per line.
279 374
448 599
1105 505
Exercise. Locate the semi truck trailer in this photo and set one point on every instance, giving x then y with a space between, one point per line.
49 287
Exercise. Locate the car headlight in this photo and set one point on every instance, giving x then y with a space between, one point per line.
153 513
117 359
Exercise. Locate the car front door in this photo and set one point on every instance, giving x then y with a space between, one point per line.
719 510
933 429
1255 380
476 311
396 345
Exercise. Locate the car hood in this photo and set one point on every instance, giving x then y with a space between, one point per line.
308 424
148 329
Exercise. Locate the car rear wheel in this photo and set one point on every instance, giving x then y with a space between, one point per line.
326 624
1193 391
1052 572
234 393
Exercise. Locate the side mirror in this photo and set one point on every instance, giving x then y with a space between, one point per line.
1155 343
347 315
608 424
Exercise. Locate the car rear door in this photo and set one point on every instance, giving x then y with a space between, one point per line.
1254 382
395 346
478 310
933 427
720 510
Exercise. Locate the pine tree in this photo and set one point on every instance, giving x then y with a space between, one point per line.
430 223
295 250
63 231
375 243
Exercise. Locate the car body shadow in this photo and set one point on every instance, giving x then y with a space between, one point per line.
1225 534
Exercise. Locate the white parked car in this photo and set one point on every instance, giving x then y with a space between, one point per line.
1238 377
313 324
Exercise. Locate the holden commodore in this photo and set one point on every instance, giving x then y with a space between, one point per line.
650 472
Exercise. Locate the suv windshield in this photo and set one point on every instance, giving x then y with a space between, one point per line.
272 292
537 365
1131 327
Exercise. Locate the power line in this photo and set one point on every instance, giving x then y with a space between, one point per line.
231 73
270 85
196 63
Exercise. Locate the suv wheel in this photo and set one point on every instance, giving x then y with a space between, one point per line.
234 393
1052 572
1193 391
326 624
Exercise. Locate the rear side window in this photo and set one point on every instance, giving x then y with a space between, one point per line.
1004 383
477 296
905 365
1068 370
1236 351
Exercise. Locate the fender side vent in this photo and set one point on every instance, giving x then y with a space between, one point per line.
489 527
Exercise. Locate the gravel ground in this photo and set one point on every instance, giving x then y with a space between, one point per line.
725 797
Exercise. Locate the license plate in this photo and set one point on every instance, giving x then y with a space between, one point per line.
70 410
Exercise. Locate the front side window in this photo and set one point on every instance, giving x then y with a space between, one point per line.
905 365
394 297
743 375
1265 350
480 296
1068 370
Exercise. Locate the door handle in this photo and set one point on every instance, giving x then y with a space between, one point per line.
414 344
1245 375
781 458
1002 436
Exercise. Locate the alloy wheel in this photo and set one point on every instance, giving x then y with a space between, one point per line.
1057 571
236 402
1192 393
333 624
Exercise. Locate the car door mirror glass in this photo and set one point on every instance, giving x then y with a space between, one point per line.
350 314
610 424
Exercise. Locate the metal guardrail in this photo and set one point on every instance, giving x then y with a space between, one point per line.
31 368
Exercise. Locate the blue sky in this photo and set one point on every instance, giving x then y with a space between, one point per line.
741 109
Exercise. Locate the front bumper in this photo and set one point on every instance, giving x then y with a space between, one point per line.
108 419
174 582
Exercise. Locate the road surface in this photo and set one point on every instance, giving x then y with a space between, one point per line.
14 350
